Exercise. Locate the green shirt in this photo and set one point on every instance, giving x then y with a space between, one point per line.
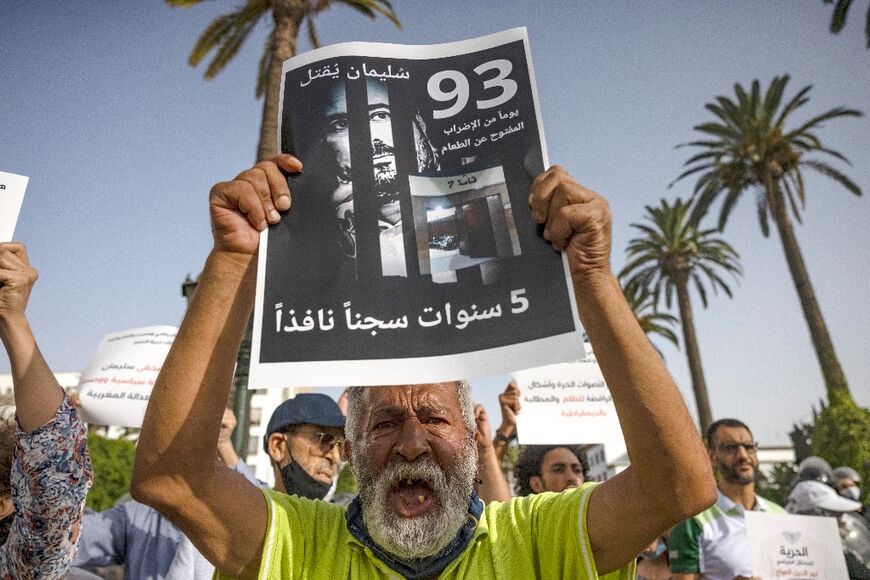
537 536
715 543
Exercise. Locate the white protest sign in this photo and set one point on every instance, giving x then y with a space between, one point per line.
116 384
790 547
11 195
571 404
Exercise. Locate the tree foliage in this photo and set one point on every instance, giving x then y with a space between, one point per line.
777 485
673 247
838 17
841 435
747 147
113 468
227 33
672 254
646 312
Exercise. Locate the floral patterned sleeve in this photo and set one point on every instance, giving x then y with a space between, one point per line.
51 474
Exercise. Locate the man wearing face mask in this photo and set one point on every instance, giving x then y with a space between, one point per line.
303 440
848 484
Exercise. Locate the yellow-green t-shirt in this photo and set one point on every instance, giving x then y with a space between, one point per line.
538 536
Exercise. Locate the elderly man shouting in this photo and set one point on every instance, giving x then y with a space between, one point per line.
412 447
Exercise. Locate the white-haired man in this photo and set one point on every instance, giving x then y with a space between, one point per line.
412 447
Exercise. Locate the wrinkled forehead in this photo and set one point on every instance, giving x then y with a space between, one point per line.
412 398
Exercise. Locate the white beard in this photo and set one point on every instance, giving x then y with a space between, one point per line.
429 534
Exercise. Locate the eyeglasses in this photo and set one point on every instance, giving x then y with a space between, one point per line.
731 447
326 442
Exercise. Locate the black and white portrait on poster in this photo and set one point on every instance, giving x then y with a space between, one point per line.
409 254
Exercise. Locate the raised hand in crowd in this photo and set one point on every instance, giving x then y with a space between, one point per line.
491 482
509 401
45 453
218 509
665 448
226 451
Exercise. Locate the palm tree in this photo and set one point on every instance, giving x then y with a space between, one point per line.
838 18
228 32
749 148
647 314
671 253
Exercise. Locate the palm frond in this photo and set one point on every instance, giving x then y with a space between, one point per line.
832 114
183 3
838 18
829 171
312 32
370 7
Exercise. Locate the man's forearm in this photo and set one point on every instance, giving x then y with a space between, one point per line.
494 486
37 392
662 441
190 393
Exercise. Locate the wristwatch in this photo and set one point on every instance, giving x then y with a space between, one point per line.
505 438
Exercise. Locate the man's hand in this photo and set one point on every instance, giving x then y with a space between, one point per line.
510 407
228 425
491 484
17 278
242 208
575 220
225 450
483 434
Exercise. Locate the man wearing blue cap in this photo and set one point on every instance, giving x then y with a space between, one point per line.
303 440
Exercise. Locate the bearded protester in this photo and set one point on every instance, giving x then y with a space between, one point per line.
45 470
714 544
412 447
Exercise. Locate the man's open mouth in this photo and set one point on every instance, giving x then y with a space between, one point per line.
412 497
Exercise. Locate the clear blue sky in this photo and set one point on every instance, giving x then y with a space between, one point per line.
122 141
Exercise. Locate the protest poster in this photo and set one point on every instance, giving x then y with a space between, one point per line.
791 547
569 404
11 195
115 386
410 254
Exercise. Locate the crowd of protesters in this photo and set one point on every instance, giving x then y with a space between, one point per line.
432 501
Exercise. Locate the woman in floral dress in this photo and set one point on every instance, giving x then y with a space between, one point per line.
45 471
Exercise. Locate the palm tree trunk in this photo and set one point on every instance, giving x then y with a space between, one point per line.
835 379
288 17
693 354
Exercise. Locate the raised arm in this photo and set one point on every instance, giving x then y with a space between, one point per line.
176 471
51 470
509 401
664 447
491 484
37 393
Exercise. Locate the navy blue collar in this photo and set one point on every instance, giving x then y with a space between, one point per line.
422 567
